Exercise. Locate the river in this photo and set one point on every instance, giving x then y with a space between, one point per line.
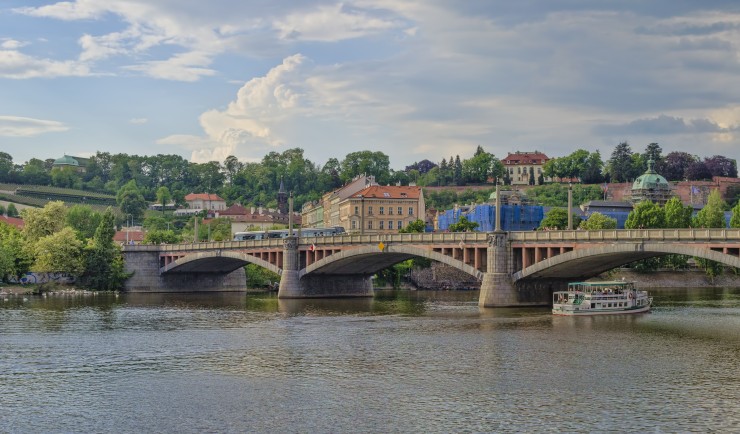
405 361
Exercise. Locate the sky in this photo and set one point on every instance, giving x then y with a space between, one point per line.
414 79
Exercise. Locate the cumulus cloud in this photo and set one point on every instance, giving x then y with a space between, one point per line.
11 44
17 126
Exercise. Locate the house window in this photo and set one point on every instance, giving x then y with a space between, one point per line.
370 224
400 211
381 210
369 210
390 210
380 224
400 224
357 209
411 210
390 224
354 224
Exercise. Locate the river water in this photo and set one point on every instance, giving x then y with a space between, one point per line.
405 361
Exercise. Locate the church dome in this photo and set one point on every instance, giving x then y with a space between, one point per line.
650 180
66 161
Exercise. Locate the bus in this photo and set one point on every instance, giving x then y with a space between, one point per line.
283 233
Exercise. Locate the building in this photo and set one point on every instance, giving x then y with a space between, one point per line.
651 186
256 218
207 201
521 164
324 213
78 163
381 209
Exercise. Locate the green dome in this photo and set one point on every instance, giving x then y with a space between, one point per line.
66 161
650 180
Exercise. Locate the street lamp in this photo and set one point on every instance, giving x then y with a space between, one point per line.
570 206
127 225
362 215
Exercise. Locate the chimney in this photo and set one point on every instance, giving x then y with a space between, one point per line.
260 210
252 210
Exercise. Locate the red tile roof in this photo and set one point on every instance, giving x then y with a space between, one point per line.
525 158
202 196
12 221
389 192
234 209
135 236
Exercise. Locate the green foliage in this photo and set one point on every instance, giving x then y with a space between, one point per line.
416 226
712 215
463 225
103 262
711 268
163 197
556 195
597 221
11 210
16 258
162 236
735 219
41 222
258 277
676 214
2 210
84 220
131 201
557 218
645 215
59 252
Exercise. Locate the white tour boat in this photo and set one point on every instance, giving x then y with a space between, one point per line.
600 298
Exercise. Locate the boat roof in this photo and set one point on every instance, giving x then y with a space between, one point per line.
603 283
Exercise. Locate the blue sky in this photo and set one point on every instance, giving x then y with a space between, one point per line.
414 79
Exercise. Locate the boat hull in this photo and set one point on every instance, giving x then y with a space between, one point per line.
592 312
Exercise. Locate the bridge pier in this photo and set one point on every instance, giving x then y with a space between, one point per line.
497 288
146 277
293 286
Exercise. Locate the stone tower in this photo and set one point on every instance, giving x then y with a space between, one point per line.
282 199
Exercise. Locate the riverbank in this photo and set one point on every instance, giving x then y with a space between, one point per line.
676 279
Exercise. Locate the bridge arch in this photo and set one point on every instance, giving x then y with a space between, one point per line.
369 260
216 261
586 263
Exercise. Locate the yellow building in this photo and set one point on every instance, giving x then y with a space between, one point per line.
381 209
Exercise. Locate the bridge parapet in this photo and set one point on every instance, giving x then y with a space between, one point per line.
627 235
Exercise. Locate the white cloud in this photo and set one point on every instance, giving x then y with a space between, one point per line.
181 67
330 23
67 10
17 126
16 65
138 121
11 44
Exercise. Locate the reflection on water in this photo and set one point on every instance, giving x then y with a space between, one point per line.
403 361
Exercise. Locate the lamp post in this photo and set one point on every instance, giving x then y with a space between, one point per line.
362 215
570 206
127 225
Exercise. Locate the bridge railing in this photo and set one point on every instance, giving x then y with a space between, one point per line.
684 235
417 238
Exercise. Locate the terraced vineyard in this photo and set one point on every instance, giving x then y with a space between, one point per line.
38 195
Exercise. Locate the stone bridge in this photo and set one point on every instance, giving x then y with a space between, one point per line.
515 268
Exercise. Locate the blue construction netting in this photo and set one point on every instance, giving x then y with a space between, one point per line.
513 217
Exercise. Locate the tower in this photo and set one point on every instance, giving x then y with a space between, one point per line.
282 199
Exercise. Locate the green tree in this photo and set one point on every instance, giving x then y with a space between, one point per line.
2 210
162 236
676 214
597 221
621 165
11 210
712 215
103 262
59 252
258 277
645 215
416 226
16 258
558 218
735 219
163 197
84 220
131 201
376 164
41 222
463 225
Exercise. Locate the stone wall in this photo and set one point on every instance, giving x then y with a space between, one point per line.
441 276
